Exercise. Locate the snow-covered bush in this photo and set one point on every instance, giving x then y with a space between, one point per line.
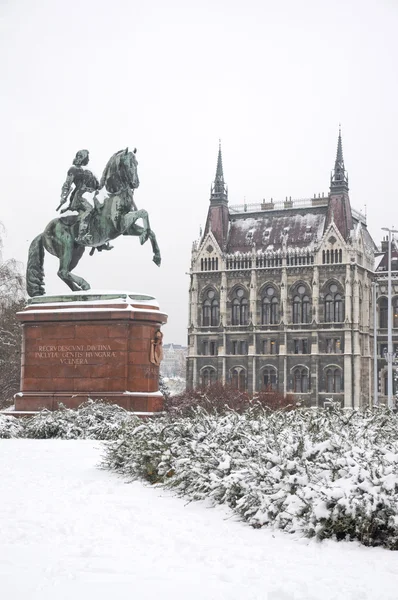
10 427
92 420
322 473
163 387
47 424
175 385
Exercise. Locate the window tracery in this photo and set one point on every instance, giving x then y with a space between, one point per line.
210 310
333 381
240 308
269 307
334 306
300 380
301 305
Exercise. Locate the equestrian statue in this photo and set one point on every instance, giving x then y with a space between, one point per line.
94 226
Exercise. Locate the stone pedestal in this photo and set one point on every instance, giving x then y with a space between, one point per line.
90 345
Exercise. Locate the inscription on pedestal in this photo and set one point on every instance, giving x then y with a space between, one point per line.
75 355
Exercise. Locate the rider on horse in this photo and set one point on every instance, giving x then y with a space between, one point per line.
83 181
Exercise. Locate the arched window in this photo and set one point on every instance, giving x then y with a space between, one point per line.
338 308
269 379
235 312
329 308
209 377
337 381
270 307
244 312
238 379
306 315
383 313
210 310
301 306
206 313
215 313
333 381
296 309
300 380
334 305
274 316
240 308
266 311
329 381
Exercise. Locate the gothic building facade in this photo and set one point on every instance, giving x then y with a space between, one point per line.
280 296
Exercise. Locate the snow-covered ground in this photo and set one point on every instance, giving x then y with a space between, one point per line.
71 531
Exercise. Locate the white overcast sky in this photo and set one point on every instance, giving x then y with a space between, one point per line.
272 79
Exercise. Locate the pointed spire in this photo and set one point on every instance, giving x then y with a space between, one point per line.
339 155
339 178
219 171
219 190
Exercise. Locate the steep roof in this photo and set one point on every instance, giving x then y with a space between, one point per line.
296 227
339 211
217 223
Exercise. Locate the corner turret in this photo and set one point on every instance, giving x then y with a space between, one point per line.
218 215
339 208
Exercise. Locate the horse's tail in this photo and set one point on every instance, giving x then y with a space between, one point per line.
34 270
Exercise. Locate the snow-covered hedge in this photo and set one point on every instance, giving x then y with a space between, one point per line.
175 385
10 427
321 473
92 420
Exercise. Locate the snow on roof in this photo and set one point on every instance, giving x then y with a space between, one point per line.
299 228
367 238
378 261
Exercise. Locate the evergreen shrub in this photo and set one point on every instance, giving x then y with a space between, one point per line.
324 474
10 427
92 420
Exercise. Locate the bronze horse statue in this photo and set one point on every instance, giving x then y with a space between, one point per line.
117 216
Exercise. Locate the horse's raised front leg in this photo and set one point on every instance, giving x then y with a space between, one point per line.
67 262
138 230
130 220
157 259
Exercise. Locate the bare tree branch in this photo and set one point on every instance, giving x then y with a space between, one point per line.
12 300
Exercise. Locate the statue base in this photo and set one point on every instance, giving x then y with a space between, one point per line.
97 345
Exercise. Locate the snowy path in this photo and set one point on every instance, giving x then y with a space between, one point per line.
71 531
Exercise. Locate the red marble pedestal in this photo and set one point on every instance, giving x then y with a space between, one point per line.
90 345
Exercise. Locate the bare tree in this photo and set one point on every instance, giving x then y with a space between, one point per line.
12 299
10 352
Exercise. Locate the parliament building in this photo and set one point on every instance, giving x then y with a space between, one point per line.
281 296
